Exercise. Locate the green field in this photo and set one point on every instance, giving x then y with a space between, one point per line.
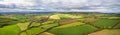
9 30
105 23
70 25
75 30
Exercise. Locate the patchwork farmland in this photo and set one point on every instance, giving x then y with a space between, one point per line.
59 24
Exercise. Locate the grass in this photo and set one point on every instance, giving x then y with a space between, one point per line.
37 30
106 23
23 26
76 30
54 17
46 33
70 25
9 30
24 33
34 31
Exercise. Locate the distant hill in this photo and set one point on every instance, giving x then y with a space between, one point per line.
55 12
26 12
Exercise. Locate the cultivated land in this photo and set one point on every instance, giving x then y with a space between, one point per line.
75 30
107 32
60 24
107 23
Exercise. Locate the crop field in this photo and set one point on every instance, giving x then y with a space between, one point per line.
58 24
107 32
75 30
106 23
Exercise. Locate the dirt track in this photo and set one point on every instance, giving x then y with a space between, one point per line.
117 26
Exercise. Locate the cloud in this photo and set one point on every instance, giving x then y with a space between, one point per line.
61 5
18 2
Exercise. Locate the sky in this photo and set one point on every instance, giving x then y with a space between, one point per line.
107 6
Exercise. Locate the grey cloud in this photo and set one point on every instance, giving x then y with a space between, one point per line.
60 5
